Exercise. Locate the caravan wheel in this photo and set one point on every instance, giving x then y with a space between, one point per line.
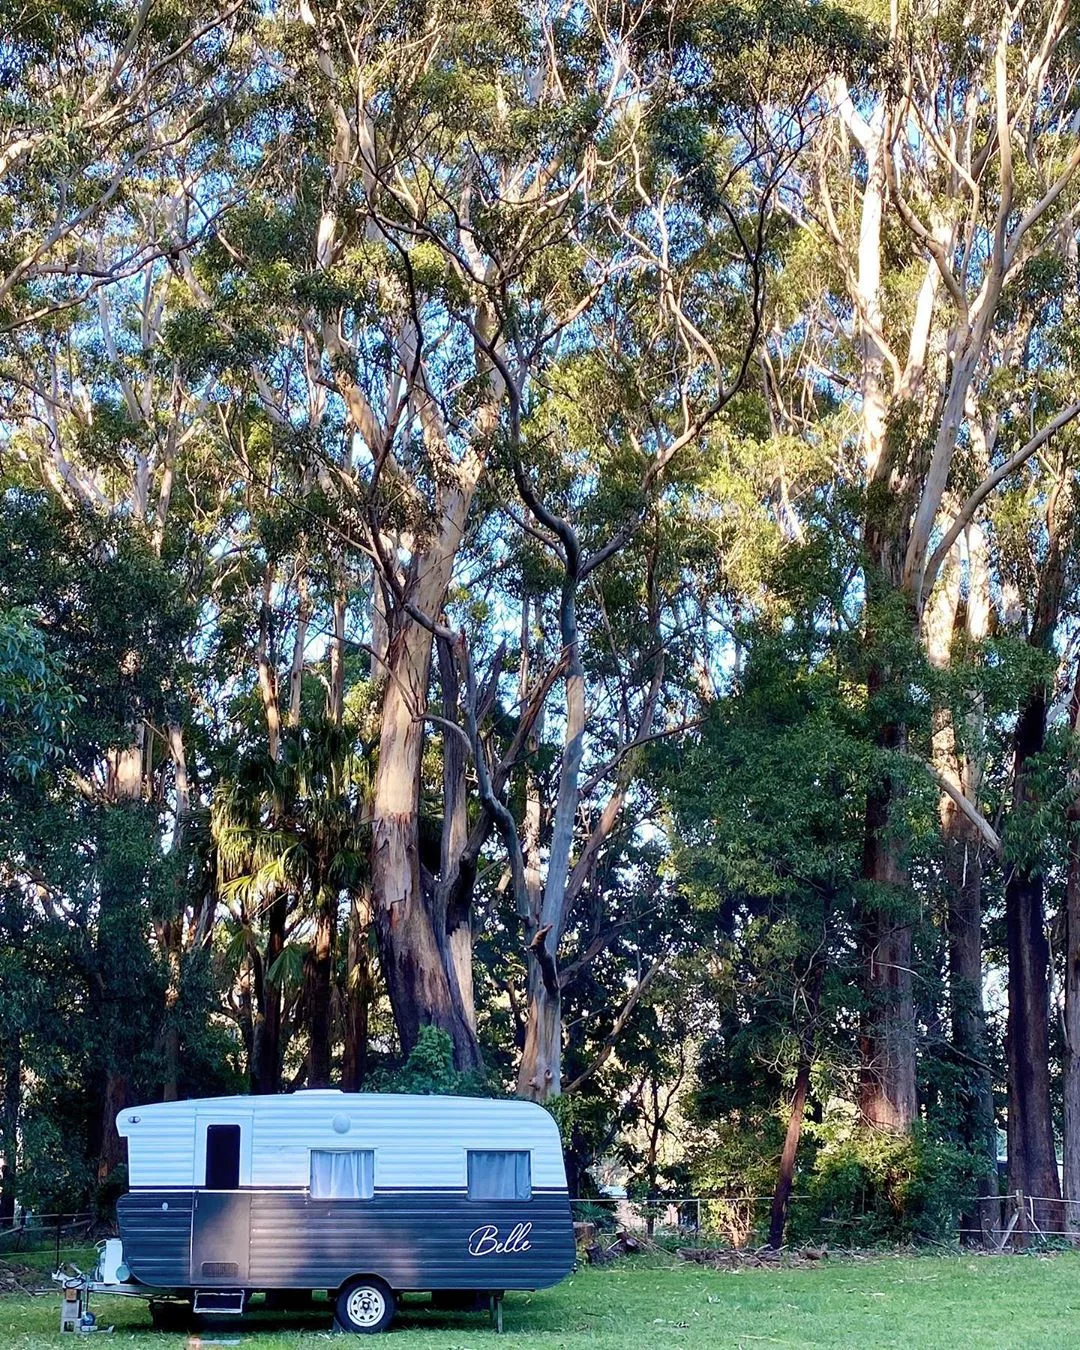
365 1305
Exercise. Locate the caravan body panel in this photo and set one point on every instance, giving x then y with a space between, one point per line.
417 1227
285 1240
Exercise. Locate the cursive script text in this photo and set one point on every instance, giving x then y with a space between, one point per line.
486 1241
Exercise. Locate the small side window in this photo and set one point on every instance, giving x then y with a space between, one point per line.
223 1157
337 1174
500 1174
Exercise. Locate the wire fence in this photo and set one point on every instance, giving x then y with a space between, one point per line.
993 1222
29 1233
1019 1219
689 1221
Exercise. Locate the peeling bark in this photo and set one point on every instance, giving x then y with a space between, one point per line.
413 949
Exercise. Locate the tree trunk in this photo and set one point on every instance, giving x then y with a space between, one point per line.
961 844
1071 1049
964 879
173 928
117 1096
413 953
887 1094
1032 1159
976 1125
170 1052
785 1177
452 909
9 1128
319 971
1071 1073
119 931
357 997
540 1070
335 699
266 664
887 1097
303 618
266 1075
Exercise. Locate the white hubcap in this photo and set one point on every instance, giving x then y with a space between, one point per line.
366 1306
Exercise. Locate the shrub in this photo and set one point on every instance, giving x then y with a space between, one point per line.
868 1188
429 1070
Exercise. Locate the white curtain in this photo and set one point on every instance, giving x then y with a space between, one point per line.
502 1174
338 1175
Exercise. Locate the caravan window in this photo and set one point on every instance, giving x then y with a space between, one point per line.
223 1157
339 1175
503 1174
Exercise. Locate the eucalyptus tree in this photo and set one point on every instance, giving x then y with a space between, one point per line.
933 230
433 248
94 97
36 707
110 130
595 443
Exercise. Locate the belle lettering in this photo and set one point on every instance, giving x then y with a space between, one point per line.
486 1241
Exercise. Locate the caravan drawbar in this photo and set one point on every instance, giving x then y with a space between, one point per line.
366 1196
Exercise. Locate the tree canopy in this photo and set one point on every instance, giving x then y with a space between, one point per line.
539 555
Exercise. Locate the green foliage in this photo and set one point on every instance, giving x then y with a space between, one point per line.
871 1188
36 705
429 1071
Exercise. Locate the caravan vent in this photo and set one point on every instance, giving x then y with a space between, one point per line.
220 1269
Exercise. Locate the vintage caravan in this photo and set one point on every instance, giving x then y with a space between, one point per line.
364 1195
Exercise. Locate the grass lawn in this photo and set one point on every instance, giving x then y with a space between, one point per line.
924 1303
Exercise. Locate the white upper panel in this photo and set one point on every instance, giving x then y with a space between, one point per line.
418 1141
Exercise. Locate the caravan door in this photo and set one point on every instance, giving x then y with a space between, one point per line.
221 1216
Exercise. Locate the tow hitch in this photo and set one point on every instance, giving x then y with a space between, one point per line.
75 1314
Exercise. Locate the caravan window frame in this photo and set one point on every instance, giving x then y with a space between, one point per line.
526 1153
344 1152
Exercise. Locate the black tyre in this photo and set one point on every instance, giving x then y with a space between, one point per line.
365 1305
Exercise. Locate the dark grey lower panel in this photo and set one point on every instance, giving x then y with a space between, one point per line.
156 1230
411 1239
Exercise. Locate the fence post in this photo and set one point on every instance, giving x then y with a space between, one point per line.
989 1212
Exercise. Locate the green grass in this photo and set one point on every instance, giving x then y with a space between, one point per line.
922 1303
